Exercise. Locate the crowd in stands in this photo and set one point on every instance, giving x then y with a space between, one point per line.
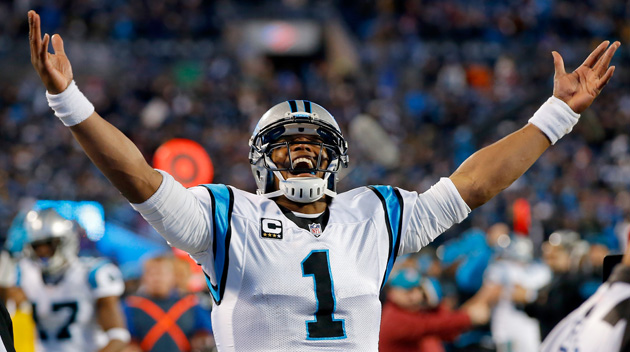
487 291
440 78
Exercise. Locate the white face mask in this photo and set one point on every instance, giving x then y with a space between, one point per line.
53 265
302 189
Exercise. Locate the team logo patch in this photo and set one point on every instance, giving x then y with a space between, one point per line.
270 228
316 229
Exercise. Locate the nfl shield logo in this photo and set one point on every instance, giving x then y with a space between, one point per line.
316 229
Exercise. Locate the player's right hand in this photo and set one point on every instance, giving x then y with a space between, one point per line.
479 313
54 70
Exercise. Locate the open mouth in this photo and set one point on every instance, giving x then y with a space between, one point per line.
303 167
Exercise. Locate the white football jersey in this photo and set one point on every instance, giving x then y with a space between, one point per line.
279 287
64 312
512 329
600 324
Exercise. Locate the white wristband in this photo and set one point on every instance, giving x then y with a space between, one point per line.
70 106
555 119
121 334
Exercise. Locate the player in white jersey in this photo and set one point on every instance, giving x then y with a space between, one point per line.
297 267
75 300
601 324
513 273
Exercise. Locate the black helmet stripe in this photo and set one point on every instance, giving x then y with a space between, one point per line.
307 106
293 106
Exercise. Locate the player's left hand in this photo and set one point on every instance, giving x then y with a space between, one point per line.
579 88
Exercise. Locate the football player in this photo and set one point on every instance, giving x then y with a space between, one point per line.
75 300
297 266
509 282
600 323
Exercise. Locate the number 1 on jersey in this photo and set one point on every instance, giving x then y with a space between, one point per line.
325 326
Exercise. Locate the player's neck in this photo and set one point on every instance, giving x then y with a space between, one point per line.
316 207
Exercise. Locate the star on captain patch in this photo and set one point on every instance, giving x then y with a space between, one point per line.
316 229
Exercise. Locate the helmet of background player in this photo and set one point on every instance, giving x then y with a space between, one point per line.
564 250
297 118
520 249
52 241
567 239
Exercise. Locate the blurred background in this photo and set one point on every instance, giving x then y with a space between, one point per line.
416 85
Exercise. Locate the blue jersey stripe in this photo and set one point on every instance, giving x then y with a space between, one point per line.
92 274
400 226
18 274
393 206
222 203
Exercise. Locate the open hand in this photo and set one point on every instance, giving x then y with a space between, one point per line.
579 88
53 69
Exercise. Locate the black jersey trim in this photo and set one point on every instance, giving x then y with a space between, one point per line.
222 235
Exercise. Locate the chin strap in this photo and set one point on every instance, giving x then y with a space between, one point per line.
302 189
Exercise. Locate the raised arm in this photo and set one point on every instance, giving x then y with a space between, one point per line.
493 168
108 148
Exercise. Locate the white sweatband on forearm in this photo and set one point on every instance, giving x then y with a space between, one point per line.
555 119
121 334
70 106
